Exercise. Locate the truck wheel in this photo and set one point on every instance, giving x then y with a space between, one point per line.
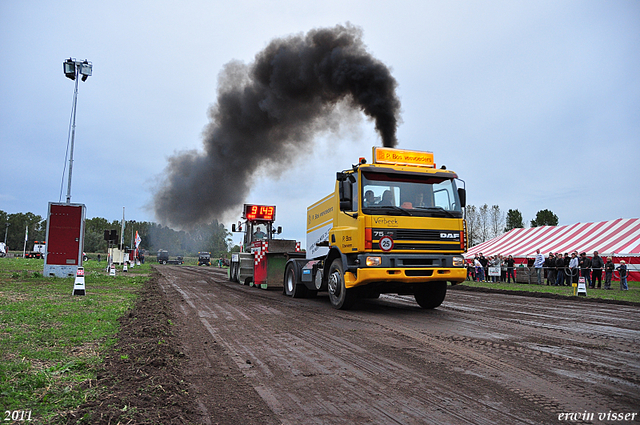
431 295
340 297
289 280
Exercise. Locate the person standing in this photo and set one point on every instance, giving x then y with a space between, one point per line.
550 265
608 272
585 268
567 271
485 270
596 269
538 264
510 263
497 264
503 268
574 264
622 269
471 271
560 270
479 270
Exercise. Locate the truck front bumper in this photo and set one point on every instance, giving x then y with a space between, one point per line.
407 269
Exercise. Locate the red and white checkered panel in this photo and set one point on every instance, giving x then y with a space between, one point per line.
260 251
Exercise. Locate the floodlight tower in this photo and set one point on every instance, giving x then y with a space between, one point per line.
73 69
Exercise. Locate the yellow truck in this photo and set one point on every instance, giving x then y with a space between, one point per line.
393 226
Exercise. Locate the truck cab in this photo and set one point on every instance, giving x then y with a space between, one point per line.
393 226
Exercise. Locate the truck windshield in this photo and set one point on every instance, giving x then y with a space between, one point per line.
398 194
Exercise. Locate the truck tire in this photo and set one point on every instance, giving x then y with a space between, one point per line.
340 297
289 279
291 288
431 295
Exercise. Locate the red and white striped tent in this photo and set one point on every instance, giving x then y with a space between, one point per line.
619 239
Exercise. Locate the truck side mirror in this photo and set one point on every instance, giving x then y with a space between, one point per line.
233 227
279 229
462 194
346 195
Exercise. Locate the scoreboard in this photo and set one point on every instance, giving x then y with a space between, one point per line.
259 212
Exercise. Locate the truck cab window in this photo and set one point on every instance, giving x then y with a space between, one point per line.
422 196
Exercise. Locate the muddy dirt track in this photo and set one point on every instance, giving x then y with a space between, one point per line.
256 356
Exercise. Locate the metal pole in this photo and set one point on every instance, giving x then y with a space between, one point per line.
73 134
6 229
122 233
26 236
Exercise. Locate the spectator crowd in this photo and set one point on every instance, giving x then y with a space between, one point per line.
558 269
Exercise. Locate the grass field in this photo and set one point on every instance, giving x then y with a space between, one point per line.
632 295
51 341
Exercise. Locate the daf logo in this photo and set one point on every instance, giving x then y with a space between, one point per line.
448 236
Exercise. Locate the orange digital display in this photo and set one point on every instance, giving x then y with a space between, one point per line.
259 212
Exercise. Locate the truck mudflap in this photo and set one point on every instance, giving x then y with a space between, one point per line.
367 275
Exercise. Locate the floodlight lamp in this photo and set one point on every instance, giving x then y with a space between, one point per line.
86 69
69 68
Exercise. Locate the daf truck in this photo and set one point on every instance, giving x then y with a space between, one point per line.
395 225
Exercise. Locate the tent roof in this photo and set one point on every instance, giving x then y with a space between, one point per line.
620 237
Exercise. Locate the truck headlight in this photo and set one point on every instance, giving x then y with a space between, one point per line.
458 261
374 261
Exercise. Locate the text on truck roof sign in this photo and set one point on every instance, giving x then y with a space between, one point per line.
403 157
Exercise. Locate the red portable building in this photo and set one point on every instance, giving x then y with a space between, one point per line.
65 239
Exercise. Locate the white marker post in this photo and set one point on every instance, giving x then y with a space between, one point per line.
78 286
582 287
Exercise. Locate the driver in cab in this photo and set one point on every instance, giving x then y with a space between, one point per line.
259 234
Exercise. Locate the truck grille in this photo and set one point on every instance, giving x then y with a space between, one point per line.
423 246
418 235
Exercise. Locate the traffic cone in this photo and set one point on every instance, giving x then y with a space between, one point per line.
78 286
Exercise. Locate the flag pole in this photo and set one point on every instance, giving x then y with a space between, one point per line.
26 236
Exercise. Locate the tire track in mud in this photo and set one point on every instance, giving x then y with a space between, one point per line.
389 362
566 371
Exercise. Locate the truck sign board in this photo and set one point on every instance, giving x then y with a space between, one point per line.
402 157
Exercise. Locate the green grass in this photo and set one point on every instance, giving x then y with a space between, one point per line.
52 342
632 295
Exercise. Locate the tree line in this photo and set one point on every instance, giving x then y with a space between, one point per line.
212 237
483 223
487 222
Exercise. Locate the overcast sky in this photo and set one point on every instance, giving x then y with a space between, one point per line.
536 105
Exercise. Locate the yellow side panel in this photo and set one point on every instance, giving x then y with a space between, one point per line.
320 220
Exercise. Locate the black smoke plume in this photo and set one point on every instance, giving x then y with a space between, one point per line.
268 112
